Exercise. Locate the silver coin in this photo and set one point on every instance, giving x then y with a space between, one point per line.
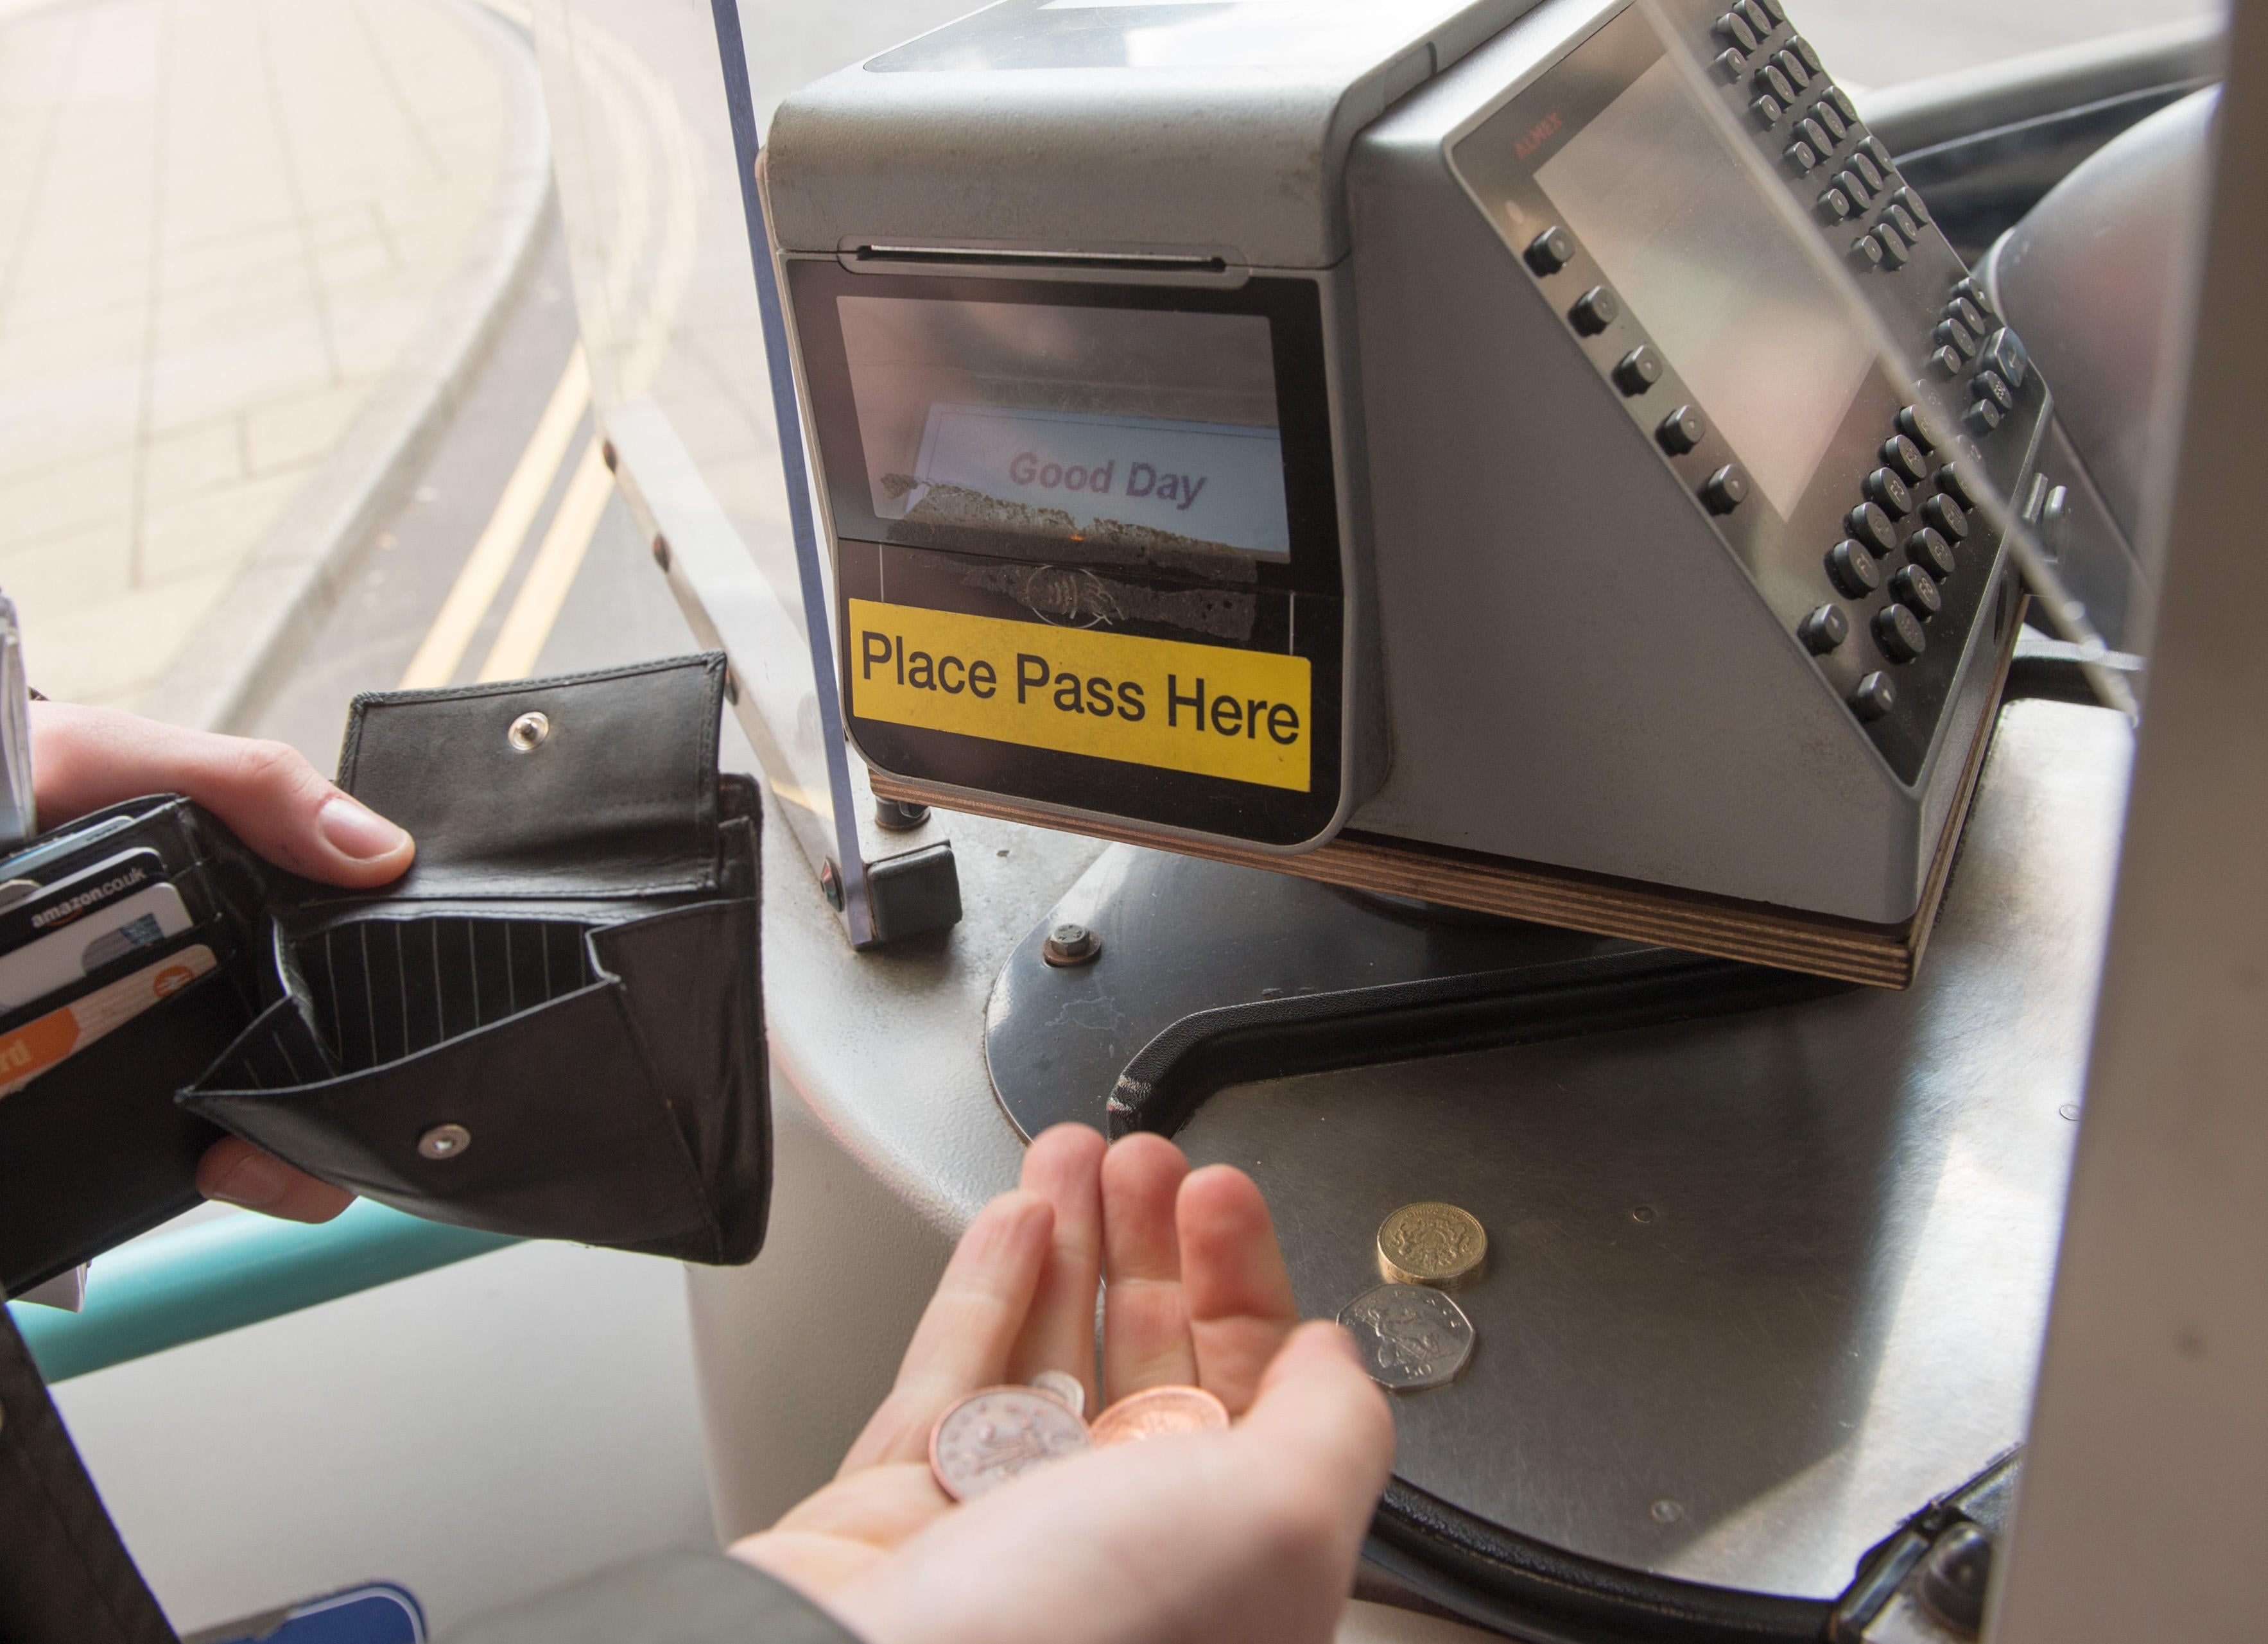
1065 1386
1411 1336
991 1436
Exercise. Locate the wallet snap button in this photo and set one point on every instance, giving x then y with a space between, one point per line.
528 732
444 1141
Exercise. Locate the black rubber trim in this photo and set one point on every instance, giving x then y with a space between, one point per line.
1170 1078
1540 1593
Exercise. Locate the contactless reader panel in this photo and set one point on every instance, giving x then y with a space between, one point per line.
1250 424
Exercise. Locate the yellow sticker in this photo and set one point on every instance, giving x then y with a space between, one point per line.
1245 715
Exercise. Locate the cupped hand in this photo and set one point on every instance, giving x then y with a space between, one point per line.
85 758
1250 1534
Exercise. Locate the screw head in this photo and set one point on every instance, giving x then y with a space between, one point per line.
1667 1511
1954 1578
528 732
830 885
1069 945
444 1141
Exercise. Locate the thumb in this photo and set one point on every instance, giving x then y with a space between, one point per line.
85 758
1317 1403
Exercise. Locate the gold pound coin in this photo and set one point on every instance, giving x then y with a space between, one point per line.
1430 1244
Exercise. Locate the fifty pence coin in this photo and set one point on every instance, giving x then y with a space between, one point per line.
991 1436
1065 1386
1430 1244
1157 1411
1409 1336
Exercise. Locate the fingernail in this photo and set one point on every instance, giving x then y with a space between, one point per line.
357 830
254 1182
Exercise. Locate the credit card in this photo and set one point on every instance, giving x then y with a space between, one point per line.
55 1037
71 898
28 864
38 968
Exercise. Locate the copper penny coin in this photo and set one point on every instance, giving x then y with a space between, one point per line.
997 1433
1156 1412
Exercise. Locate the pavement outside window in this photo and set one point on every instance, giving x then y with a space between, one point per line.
245 245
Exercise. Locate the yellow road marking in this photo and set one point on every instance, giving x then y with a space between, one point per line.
520 642
490 562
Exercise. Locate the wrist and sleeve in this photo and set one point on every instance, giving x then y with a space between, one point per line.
668 1598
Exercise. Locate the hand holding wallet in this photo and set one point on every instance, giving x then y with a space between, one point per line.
551 1026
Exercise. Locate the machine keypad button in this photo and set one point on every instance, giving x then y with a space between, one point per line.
1595 310
1989 385
1767 111
1834 206
1773 12
1801 157
1921 427
2003 352
1808 52
1844 107
1638 370
1953 480
1881 156
1852 570
1825 112
1947 517
1945 363
1911 203
1681 430
1727 489
1906 225
1871 525
1552 250
1791 65
1852 184
1884 488
1953 334
1897 630
1734 29
1928 549
1966 312
1983 417
1759 20
1904 458
1730 65
1825 629
1914 588
1874 697
1863 165
1971 289
1867 252
1893 246
1816 135
1770 79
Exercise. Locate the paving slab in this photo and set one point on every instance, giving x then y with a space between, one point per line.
248 250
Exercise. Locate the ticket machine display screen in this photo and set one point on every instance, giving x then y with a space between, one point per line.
1110 428
1756 328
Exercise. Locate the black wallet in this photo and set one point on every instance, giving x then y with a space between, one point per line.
551 1026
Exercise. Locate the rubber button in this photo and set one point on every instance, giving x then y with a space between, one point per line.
1915 589
1638 370
1897 630
1770 79
1799 158
1903 457
1852 570
1908 201
1874 697
1867 252
1734 29
1895 248
1789 63
1972 290
1824 628
1850 183
1816 135
1766 111
1928 549
1808 52
1953 480
1595 310
1681 430
1827 114
1834 206
1962 309
1946 517
1885 488
1958 337
1945 363
1991 386
1982 417
2003 352
1919 424
1727 489
1732 65
1552 250
1872 526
